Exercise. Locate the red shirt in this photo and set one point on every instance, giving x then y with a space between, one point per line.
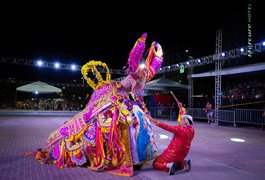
179 146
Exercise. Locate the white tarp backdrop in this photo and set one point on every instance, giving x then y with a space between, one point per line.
233 70
164 83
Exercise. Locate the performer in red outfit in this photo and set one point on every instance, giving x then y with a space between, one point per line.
173 157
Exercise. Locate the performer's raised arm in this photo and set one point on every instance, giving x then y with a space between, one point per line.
176 99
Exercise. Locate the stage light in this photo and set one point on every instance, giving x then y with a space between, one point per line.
142 66
199 61
57 65
73 67
263 43
39 63
241 49
223 54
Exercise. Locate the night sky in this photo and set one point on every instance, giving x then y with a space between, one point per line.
78 33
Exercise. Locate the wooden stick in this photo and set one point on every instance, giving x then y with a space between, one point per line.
174 97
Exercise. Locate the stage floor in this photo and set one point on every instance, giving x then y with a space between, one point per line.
214 156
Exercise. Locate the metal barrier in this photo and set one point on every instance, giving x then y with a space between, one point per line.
250 116
235 117
245 116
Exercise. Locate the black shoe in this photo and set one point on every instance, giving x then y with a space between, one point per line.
187 165
137 167
173 168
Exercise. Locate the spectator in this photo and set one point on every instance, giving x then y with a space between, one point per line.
173 111
159 109
209 112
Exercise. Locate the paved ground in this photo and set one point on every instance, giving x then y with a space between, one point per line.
214 156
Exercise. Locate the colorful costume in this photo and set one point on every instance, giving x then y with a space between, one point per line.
182 111
178 148
110 134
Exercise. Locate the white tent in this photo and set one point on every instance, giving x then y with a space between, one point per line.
39 87
163 84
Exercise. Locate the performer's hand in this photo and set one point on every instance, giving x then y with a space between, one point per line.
148 116
151 119
154 121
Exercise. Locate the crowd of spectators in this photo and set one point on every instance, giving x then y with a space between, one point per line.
55 104
244 89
